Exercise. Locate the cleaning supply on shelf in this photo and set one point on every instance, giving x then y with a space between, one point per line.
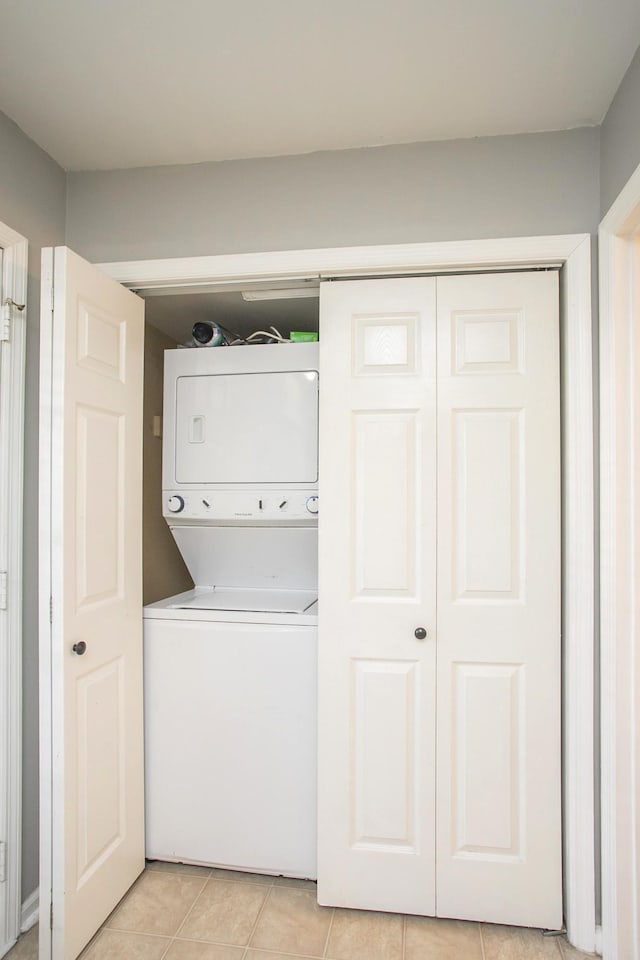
303 336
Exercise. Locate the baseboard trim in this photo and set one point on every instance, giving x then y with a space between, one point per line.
30 910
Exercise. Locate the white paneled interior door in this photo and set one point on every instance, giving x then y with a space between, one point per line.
439 758
91 413
376 588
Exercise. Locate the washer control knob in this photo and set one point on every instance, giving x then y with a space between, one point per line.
175 504
312 504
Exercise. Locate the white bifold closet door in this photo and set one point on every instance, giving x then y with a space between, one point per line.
439 759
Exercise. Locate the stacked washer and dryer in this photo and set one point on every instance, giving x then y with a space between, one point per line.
230 666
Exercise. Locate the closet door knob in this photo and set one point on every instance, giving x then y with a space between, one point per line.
420 633
79 647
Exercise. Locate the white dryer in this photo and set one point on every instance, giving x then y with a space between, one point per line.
240 438
230 667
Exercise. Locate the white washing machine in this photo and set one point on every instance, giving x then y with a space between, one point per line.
230 707
230 667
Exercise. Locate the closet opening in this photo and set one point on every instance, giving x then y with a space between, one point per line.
169 322
573 254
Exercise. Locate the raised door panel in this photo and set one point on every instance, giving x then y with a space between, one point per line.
487 547
386 484
101 775
376 585
488 787
498 717
384 772
99 513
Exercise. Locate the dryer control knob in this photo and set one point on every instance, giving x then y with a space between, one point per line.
312 504
175 504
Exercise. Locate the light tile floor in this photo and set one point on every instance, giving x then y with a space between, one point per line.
177 912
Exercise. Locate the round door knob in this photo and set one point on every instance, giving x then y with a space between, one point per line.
79 647
175 504
420 633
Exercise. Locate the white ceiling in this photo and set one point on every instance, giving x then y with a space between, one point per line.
102 84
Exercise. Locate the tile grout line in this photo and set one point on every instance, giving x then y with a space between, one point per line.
269 887
188 913
116 910
94 940
168 947
326 942
279 954
106 926
482 950
126 933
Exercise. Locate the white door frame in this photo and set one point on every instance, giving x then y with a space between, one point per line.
13 322
573 253
619 247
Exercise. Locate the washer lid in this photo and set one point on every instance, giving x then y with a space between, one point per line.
253 557
249 600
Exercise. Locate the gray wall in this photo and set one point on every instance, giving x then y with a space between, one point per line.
620 139
32 202
462 189
163 570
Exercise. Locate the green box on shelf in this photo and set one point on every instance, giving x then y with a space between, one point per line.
303 336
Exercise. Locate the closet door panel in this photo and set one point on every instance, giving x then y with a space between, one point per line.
487 447
386 482
488 701
376 586
383 762
498 715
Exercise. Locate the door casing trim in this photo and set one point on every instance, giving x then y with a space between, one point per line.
12 392
619 271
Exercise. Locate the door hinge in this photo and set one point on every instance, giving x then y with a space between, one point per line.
50 609
5 317
51 915
3 590
5 323
3 861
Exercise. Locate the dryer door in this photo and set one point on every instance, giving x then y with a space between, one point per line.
247 428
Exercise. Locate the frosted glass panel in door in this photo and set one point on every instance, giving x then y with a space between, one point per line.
247 428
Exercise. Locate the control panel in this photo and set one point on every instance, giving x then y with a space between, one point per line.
229 506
